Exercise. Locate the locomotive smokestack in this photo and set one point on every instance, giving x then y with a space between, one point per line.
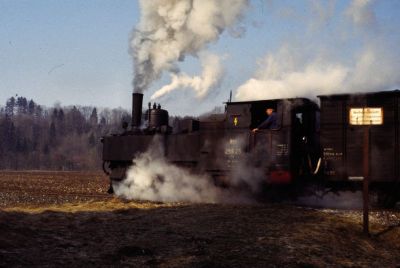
137 100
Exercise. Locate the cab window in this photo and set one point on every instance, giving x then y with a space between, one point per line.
259 115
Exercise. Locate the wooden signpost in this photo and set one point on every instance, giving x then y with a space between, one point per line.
366 117
366 181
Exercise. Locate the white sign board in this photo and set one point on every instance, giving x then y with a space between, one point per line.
356 178
366 116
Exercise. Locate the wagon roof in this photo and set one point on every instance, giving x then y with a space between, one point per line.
395 92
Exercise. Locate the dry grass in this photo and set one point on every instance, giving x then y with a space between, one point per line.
112 204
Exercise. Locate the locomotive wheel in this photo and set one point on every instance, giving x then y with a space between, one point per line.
388 195
110 189
118 172
386 200
106 168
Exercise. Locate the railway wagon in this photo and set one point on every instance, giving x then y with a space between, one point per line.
345 119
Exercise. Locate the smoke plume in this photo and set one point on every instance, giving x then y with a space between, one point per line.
306 69
210 78
169 30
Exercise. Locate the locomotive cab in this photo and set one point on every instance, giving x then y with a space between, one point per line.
284 151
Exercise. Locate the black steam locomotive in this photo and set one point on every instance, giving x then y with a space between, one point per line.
309 144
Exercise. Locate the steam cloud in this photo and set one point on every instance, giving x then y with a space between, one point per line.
210 77
298 70
171 29
152 178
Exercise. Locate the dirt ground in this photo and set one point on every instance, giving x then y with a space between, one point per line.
66 219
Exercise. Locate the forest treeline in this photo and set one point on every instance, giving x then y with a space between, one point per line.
33 136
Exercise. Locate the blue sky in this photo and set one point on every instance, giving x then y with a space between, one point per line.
76 52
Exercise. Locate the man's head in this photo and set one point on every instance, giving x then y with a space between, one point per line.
269 111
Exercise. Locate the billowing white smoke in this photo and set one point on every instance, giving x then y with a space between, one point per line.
283 75
210 78
153 178
298 70
171 29
374 69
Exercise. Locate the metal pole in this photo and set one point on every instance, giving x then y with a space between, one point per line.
366 181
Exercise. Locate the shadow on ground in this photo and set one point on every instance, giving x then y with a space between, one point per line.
195 236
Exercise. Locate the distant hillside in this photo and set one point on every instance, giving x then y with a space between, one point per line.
57 138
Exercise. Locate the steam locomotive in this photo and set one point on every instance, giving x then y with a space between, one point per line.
311 144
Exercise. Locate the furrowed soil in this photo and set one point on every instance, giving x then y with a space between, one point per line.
67 219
